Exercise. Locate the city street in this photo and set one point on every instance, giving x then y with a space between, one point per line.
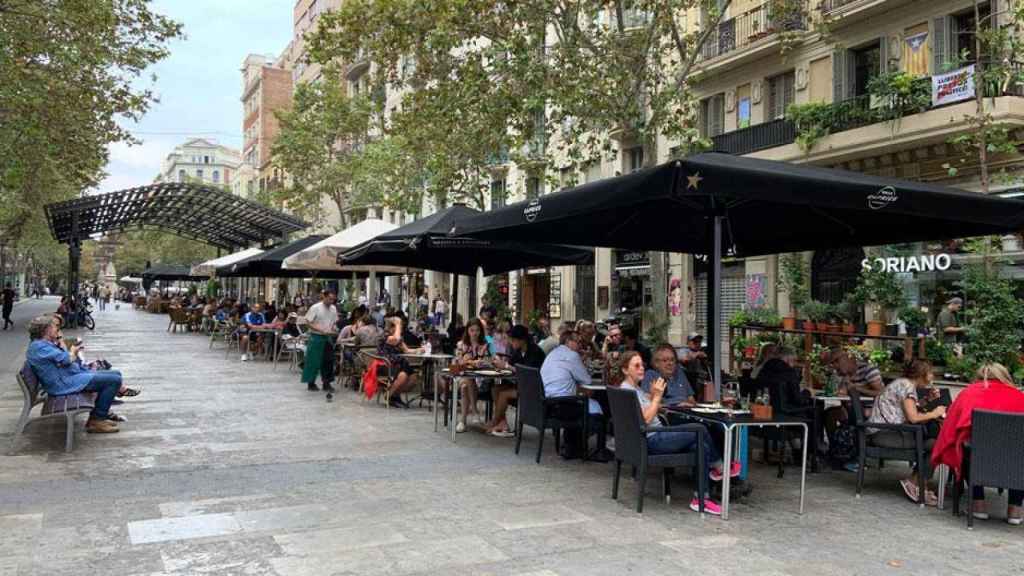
230 468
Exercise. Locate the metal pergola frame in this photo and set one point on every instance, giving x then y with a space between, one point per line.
196 211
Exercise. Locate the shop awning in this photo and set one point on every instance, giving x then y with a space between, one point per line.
209 268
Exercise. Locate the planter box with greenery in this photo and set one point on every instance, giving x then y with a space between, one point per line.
794 280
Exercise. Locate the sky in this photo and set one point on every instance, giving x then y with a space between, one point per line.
199 84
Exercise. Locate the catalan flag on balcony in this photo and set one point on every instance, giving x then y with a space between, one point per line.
915 54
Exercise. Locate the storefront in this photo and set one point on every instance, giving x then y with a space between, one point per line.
631 286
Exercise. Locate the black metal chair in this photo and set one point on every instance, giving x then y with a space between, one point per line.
994 455
537 411
631 448
865 450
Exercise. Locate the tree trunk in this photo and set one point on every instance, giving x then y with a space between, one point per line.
659 266
979 99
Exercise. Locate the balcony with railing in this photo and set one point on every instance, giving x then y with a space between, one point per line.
748 28
753 138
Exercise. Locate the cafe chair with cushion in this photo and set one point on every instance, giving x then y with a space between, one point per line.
993 457
866 449
537 411
631 448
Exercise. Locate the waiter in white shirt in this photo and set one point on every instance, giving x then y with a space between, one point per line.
322 318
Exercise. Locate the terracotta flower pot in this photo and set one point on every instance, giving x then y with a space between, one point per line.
830 328
789 323
810 326
876 328
849 328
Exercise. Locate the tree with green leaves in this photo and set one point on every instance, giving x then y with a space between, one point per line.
71 69
320 136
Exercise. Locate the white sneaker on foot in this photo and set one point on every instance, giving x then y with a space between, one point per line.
245 357
460 427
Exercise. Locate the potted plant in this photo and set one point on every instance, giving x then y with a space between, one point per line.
833 321
817 314
914 319
794 280
740 318
881 290
764 316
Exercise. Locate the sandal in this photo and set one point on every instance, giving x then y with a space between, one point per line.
910 489
129 392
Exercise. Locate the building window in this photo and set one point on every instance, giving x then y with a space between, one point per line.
216 177
635 158
181 175
199 173
964 27
534 187
206 159
712 115
497 194
867 64
781 93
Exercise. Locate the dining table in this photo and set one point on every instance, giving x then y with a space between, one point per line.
476 375
733 421
429 362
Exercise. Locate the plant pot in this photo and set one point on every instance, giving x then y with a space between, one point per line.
830 328
809 326
789 323
849 328
761 412
875 328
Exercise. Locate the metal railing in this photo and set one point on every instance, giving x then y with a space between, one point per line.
751 26
830 5
757 137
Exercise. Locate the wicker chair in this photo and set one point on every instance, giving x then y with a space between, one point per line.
994 456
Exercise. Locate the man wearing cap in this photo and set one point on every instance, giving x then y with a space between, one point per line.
60 373
693 355
947 323
322 319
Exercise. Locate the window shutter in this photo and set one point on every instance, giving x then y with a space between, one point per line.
703 118
790 95
839 78
883 54
717 114
940 44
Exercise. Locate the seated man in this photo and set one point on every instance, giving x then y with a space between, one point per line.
562 372
678 391
251 319
60 374
859 375
522 350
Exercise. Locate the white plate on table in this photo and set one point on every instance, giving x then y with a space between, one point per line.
490 372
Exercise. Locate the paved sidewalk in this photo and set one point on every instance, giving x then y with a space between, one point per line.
232 468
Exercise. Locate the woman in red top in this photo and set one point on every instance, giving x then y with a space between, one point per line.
994 390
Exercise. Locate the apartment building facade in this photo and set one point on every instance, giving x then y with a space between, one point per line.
752 78
266 89
200 160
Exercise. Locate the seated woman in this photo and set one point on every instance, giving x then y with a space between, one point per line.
629 376
521 351
993 390
898 404
392 347
471 352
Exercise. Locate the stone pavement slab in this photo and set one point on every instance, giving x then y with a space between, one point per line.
233 468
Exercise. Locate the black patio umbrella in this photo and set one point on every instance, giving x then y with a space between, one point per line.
428 243
713 203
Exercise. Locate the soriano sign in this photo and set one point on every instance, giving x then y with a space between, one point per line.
922 263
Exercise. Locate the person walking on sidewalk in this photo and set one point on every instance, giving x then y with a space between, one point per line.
323 320
8 297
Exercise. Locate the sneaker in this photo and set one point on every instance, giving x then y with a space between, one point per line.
312 387
502 434
610 444
710 506
978 510
460 427
734 470
100 427
245 357
1015 516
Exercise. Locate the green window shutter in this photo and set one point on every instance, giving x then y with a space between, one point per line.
883 54
939 34
839 77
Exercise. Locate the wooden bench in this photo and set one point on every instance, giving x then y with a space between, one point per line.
67 406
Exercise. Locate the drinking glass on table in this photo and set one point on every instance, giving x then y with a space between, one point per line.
730 394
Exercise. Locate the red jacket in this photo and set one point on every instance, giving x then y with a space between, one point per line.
985 395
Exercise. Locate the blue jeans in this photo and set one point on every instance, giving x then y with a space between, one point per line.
105 383
677 442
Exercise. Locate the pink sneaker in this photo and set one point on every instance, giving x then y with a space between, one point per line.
716 474
710 506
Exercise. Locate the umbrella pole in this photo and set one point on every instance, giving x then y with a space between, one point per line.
455 297
715 303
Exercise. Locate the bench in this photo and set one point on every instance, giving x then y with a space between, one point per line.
67 406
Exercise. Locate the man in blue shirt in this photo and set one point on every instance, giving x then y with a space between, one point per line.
252 318
562 372
677 387
60 373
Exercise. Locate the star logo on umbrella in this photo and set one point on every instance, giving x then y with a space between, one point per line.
693 181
